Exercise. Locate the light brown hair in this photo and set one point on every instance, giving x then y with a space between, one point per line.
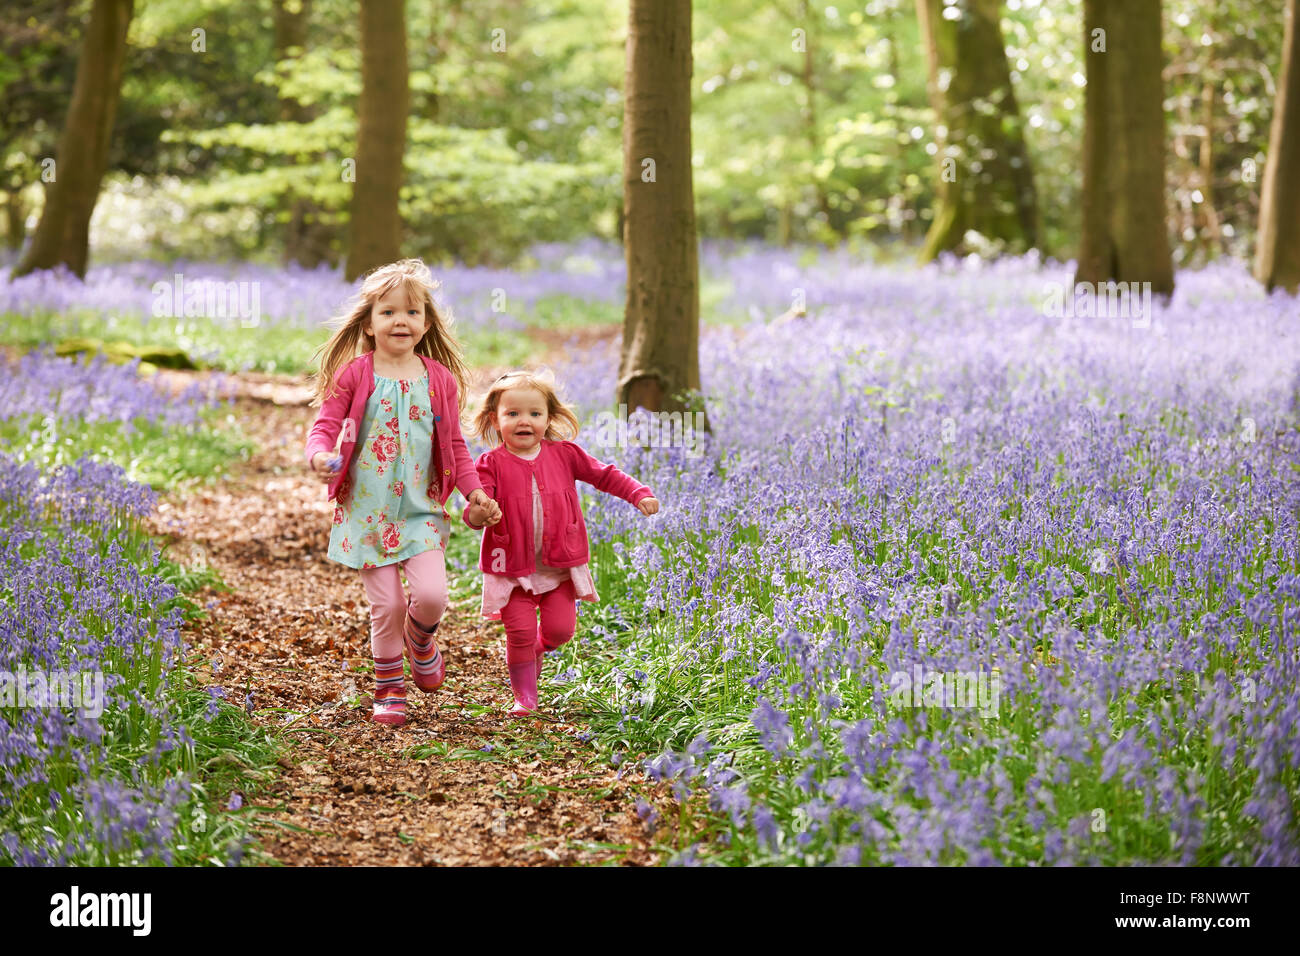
562 423
349 341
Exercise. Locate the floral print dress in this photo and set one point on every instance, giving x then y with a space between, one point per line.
389 516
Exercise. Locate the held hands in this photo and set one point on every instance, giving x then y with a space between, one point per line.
648 506
482 510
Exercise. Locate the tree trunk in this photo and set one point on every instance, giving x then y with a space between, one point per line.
1277 260
291 20
307 239
63 234
1209 212
448 15
810 113
15 219
381 138
901 226
1125 235
985 180
661 329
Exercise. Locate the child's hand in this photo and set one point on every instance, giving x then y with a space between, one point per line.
482 509
481 516
648 506
326 465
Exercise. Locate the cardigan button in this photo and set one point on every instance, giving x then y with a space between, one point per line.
447 472
437 418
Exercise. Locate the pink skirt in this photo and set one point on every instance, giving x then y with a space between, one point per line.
497 588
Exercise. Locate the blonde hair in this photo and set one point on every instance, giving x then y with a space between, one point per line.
349 341
562 423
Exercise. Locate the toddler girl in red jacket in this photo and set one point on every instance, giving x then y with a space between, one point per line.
388 443
534 553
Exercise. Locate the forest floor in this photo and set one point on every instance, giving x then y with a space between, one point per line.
460 783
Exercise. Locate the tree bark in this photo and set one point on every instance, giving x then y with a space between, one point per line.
1277 260
447 14
904 230
1209 212
15 219
660 356
291 20
1125 234
376 224
63 233
810 113
307 239
985 182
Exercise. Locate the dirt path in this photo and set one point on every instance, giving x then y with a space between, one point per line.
460 783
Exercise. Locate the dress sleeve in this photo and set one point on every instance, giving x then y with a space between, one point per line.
487 481
467 476
604 477
329 421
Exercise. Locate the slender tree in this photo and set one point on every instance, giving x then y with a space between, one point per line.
376 221
15 219
307 240
661 328
45 41
985 180
807 75
63 234
1277 260
1125 236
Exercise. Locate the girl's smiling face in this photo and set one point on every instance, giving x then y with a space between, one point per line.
522 418
396 326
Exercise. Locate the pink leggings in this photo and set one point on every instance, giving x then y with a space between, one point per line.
558 618
426 573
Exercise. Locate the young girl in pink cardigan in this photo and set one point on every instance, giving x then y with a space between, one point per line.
389 444
534 553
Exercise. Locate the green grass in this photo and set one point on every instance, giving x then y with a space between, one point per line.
288 347
270 347
566 312
230 754
162 456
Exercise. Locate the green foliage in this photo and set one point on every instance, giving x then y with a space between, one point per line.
158 455
810 122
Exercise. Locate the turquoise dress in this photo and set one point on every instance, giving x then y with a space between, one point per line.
390 516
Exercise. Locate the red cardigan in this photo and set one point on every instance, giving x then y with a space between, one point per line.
355 384
508 546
